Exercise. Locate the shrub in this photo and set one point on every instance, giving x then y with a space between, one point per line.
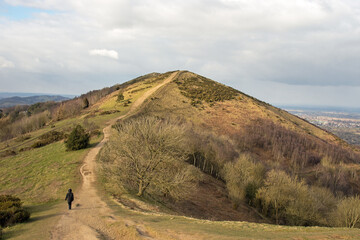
147 157
325 202
78 139
23 138
11 211
85 103
7 153
199 89
347 213
47 138
120 97
243 177
287 200
109 112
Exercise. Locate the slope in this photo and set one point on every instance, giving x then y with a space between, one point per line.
227 119
226 125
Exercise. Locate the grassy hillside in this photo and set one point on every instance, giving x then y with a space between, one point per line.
41 176
229 146
227 129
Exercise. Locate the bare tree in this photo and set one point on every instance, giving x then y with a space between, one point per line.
149 153
347 213
289 198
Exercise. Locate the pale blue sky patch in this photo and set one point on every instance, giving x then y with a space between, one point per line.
18 13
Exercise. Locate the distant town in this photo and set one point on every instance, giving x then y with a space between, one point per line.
344 124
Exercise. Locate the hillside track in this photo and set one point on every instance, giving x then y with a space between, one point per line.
90 217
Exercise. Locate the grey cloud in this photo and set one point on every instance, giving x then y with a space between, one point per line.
299 43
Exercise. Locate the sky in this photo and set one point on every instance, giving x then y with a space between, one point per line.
298 52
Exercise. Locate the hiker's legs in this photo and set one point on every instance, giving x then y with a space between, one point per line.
69 205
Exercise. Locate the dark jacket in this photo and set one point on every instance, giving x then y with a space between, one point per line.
69 196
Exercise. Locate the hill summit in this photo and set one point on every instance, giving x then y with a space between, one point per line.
237 149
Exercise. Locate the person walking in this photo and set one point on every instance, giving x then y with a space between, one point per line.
69 197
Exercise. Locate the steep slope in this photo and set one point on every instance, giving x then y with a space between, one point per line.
224 108
226 124
93 217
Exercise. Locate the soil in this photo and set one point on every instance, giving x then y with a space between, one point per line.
90 217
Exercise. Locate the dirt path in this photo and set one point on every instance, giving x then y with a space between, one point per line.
91 218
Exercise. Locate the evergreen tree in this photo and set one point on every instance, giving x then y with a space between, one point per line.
78 139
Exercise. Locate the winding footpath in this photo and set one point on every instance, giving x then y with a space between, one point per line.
91 218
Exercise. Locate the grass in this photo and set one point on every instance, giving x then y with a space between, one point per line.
40 177
42 216
43 174
164 226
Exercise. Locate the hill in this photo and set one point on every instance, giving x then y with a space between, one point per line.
13 101
185 146
226 130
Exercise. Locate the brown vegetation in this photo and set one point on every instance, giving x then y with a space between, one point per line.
147 155
241 141
199 89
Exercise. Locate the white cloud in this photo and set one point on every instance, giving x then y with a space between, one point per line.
4 63
298 42
104 53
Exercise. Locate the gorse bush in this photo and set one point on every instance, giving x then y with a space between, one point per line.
78 139
11 211
47 138
200 89
120 97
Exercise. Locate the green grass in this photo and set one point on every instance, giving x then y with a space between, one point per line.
43 174
166 226
40 177
42 216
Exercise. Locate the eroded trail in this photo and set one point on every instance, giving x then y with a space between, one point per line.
91 218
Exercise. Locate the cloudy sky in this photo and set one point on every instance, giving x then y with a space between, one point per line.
298 52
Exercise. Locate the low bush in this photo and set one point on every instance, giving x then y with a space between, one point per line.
11 211
23 138
347 213
47 138
200 89
109 112
7 153
78 139
243 178
120 97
